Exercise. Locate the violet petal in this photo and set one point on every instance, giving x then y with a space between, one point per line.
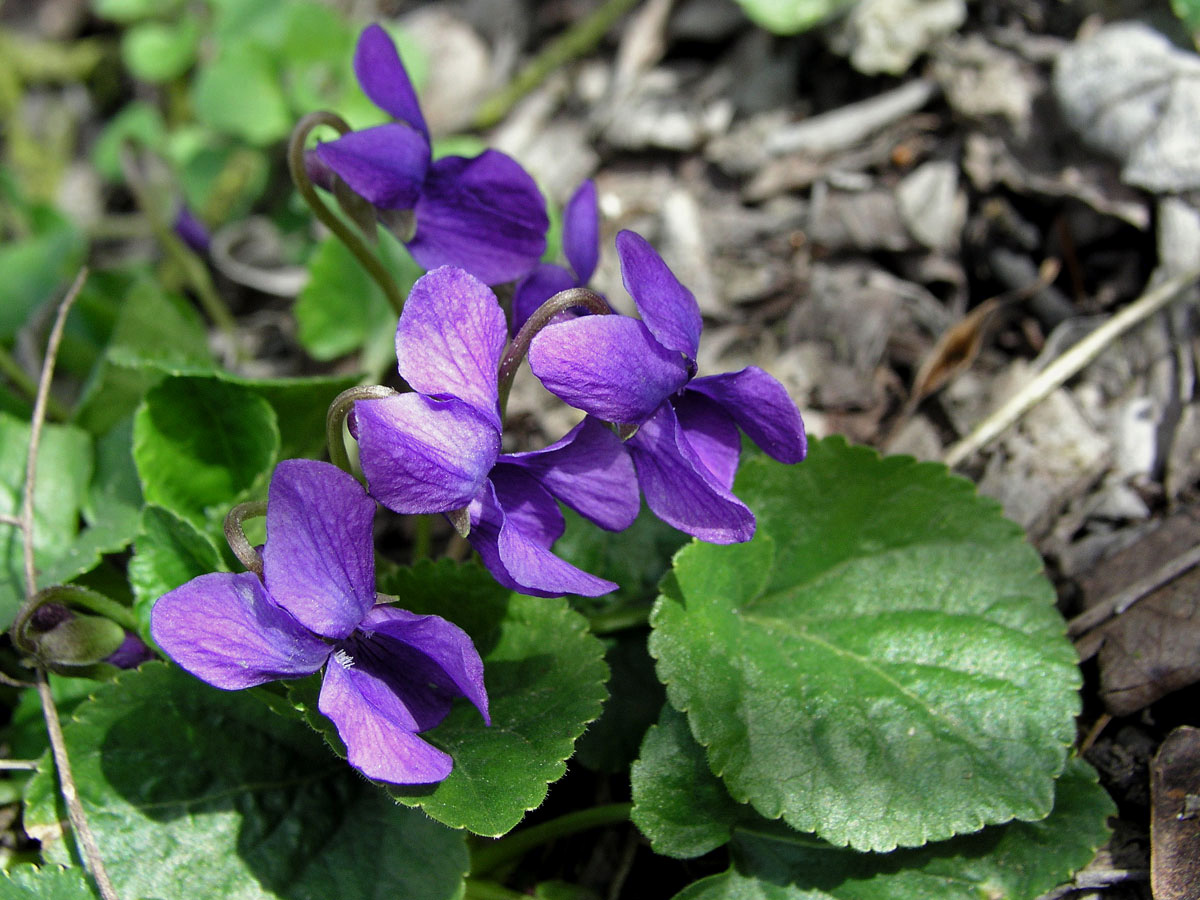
678 487
581 231
421 455
450 338
438 652
536 288
386 164
483 214
763 409
376 745
666 306
589 469
711 433
384 80
319 562
224 629
521 562
609 366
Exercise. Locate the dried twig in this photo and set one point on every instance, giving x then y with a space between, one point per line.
58 747
1067 366
1143 587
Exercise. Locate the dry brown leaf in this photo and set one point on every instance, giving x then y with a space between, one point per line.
1175 817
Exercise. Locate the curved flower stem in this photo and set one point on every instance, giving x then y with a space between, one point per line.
541 317
422 538
236 536
580 38
336 418
354 243
491 856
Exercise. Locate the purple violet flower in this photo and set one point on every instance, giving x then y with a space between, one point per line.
389 674
581 245
437 449
484 214
641 373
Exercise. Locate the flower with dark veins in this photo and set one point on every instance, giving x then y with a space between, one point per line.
389 674
581 245
483 214
641 373
437 449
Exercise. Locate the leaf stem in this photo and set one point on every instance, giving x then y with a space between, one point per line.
491 856
560 302
578 40
235 535
354 243
422 538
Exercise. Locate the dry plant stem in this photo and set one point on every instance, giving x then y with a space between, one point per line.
1068 365
18 765
344 233
58 746
580 39
189 263
1121 601
335 419
235 536
560 302
35 431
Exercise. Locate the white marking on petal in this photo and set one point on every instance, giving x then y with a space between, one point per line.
344 659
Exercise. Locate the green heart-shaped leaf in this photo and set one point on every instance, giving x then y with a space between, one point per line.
883 664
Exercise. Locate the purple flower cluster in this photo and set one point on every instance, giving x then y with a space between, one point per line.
484 214
652 428
389 674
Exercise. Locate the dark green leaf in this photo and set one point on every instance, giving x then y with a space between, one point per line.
635 698
36 269
545 682
883 664
201 445
195 792
1019 861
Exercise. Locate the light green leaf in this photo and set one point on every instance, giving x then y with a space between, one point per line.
545 681
679 804
883 664
239 93
45 883
168 552
195 792
1019 861
792 16
160 51
138 121
202 445
64 468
